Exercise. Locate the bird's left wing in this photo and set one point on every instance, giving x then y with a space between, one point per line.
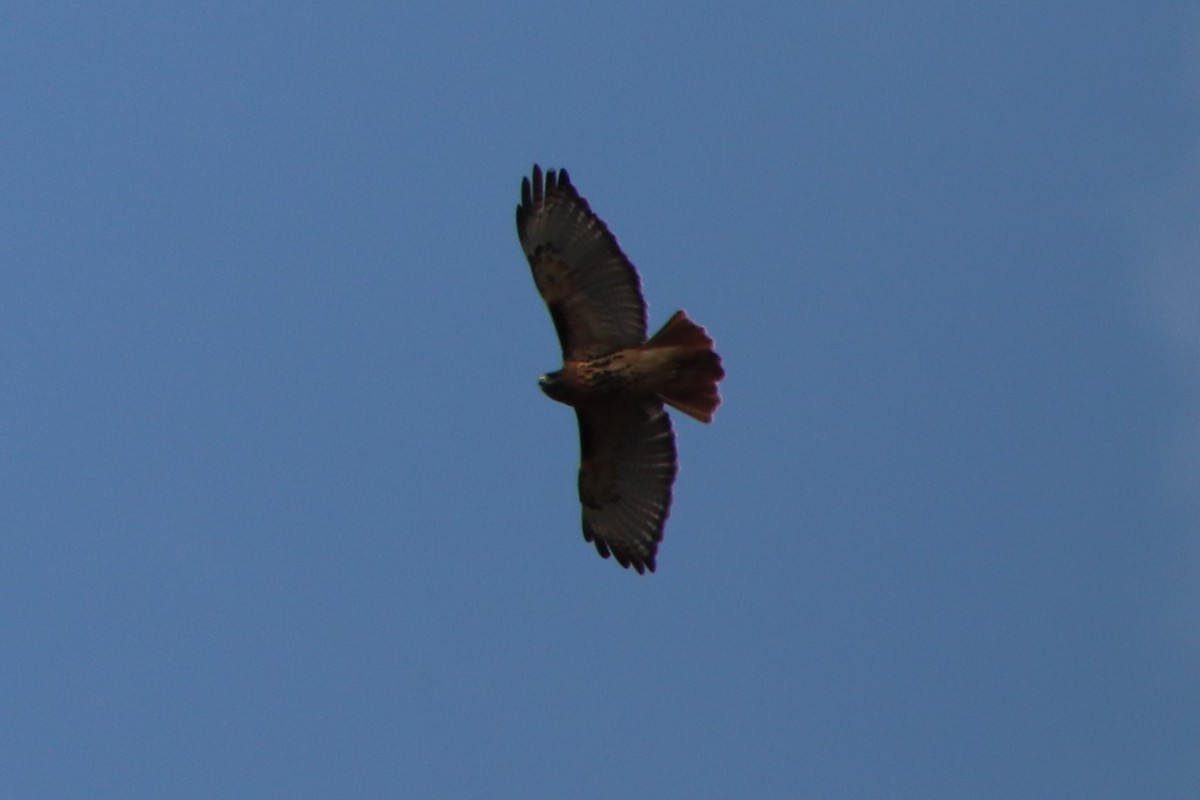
593 292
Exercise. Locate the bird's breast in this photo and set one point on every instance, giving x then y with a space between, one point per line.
626 373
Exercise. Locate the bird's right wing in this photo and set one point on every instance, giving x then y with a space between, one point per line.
626 470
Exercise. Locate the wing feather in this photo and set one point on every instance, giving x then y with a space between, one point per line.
592 290
626 471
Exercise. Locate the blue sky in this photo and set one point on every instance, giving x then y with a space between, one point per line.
284 514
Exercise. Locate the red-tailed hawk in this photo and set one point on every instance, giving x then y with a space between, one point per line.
616 380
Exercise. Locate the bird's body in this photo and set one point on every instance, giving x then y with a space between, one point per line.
648 371
616 379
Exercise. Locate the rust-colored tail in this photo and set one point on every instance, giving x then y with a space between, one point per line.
695 367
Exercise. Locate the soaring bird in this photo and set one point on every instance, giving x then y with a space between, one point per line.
616 380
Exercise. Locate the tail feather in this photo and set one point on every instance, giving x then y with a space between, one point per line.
696 367
680 332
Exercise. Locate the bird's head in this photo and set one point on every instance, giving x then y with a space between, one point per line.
554 386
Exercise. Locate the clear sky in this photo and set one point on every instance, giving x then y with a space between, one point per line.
284 514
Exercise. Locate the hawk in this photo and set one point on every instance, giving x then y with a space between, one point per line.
616 379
